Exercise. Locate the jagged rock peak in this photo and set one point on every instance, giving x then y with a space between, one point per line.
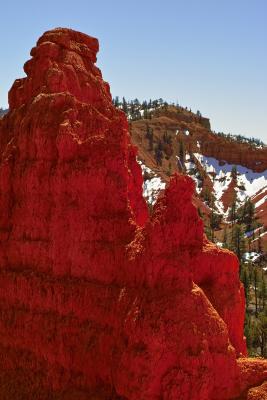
63 61
78 42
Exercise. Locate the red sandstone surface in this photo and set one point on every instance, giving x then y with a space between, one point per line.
212 145
99 300
261 209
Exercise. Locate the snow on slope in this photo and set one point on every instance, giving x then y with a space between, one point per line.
191 169
260 198
248 182
251 256
260 202
152 185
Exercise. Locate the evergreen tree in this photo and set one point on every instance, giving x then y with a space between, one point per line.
132 109
232 214
144 105
208 232
261 332
167 138
181 152
244 276
124 105
145 114
155 104
238 241
246 215
207 196
159 153
248 331
225 237
116 101
234 172
215 220
256 288
150 137
262 294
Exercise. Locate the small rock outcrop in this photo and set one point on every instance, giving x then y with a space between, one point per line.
99 300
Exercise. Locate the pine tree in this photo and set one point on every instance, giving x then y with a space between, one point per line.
215 220
116 101
238 242
144 105
208 232
244 276
256 288
248 331
207 196
261 329
124 105
263 290
145 114
225 237
167 138
150 137
232 214
246 215
181 152
234 172
159 153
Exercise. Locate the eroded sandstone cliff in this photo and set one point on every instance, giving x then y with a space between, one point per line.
99 300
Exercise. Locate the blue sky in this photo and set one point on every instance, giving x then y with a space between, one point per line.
209 55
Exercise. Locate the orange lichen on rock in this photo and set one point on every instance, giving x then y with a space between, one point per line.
99 300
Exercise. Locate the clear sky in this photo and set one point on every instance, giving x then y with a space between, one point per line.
209 55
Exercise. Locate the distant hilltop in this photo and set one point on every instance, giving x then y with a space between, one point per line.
136 110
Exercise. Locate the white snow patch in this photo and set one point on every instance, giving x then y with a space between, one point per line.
251 256
192 171
248 182
153 186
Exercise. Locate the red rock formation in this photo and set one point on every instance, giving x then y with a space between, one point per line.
98 300
261 213
212 145
200 140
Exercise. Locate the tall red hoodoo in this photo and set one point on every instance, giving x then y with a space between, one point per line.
99 300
